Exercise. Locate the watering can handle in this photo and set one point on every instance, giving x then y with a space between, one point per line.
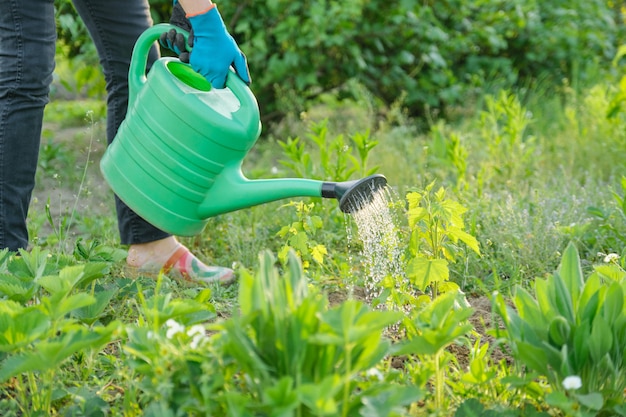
137 71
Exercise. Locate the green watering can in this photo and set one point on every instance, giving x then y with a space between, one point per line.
176 159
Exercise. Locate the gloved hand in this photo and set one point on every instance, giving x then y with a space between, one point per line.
175 41
214 49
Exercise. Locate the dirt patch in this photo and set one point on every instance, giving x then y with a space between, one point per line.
484 322
69 185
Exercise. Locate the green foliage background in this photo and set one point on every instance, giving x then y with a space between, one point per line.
430 54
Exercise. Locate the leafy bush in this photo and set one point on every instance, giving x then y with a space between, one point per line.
573 332
433 54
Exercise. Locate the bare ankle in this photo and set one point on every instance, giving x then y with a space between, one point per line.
158 250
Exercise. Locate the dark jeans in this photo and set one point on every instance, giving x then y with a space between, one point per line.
27 47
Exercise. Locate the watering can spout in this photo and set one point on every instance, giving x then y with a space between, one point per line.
354 195
232 191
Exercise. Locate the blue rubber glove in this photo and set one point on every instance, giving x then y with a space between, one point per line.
214 49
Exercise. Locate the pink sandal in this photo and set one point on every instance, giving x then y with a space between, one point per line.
184 266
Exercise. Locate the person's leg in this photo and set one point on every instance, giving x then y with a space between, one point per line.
115 25
27 46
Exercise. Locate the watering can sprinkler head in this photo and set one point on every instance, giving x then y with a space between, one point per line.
354 195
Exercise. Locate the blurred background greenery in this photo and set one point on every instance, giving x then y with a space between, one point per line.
432 56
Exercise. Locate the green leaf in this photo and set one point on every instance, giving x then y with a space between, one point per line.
58 305
533 357
21 327
390 401
16 289
562 298
543 293
437 326
610 272
559 400
456 233
580 350
422 271
527 307
470 408
601 339
51 353
588 308
560 331
320 397
281 398
91 312
613 306
571 273
593 401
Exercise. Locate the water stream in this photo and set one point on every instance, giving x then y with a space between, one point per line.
381 253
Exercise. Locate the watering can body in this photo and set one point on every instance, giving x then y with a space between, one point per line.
176 158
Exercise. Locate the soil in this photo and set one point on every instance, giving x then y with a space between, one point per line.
68 181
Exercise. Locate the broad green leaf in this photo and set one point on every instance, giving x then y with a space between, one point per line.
601 339
415 215
438 325
21 327
588 309
544 298
456 233
528 308
559 331
593 401
613 305
611 272
320 397
281 398
562 297
422 271
51 353
91 271
559 400
91 312
352 321
391 400
470 408
16 289
533 357
571 273
580 351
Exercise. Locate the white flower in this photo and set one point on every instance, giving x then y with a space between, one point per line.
375 373
611 257
173 327
198 336
572 382
194 330
198 341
